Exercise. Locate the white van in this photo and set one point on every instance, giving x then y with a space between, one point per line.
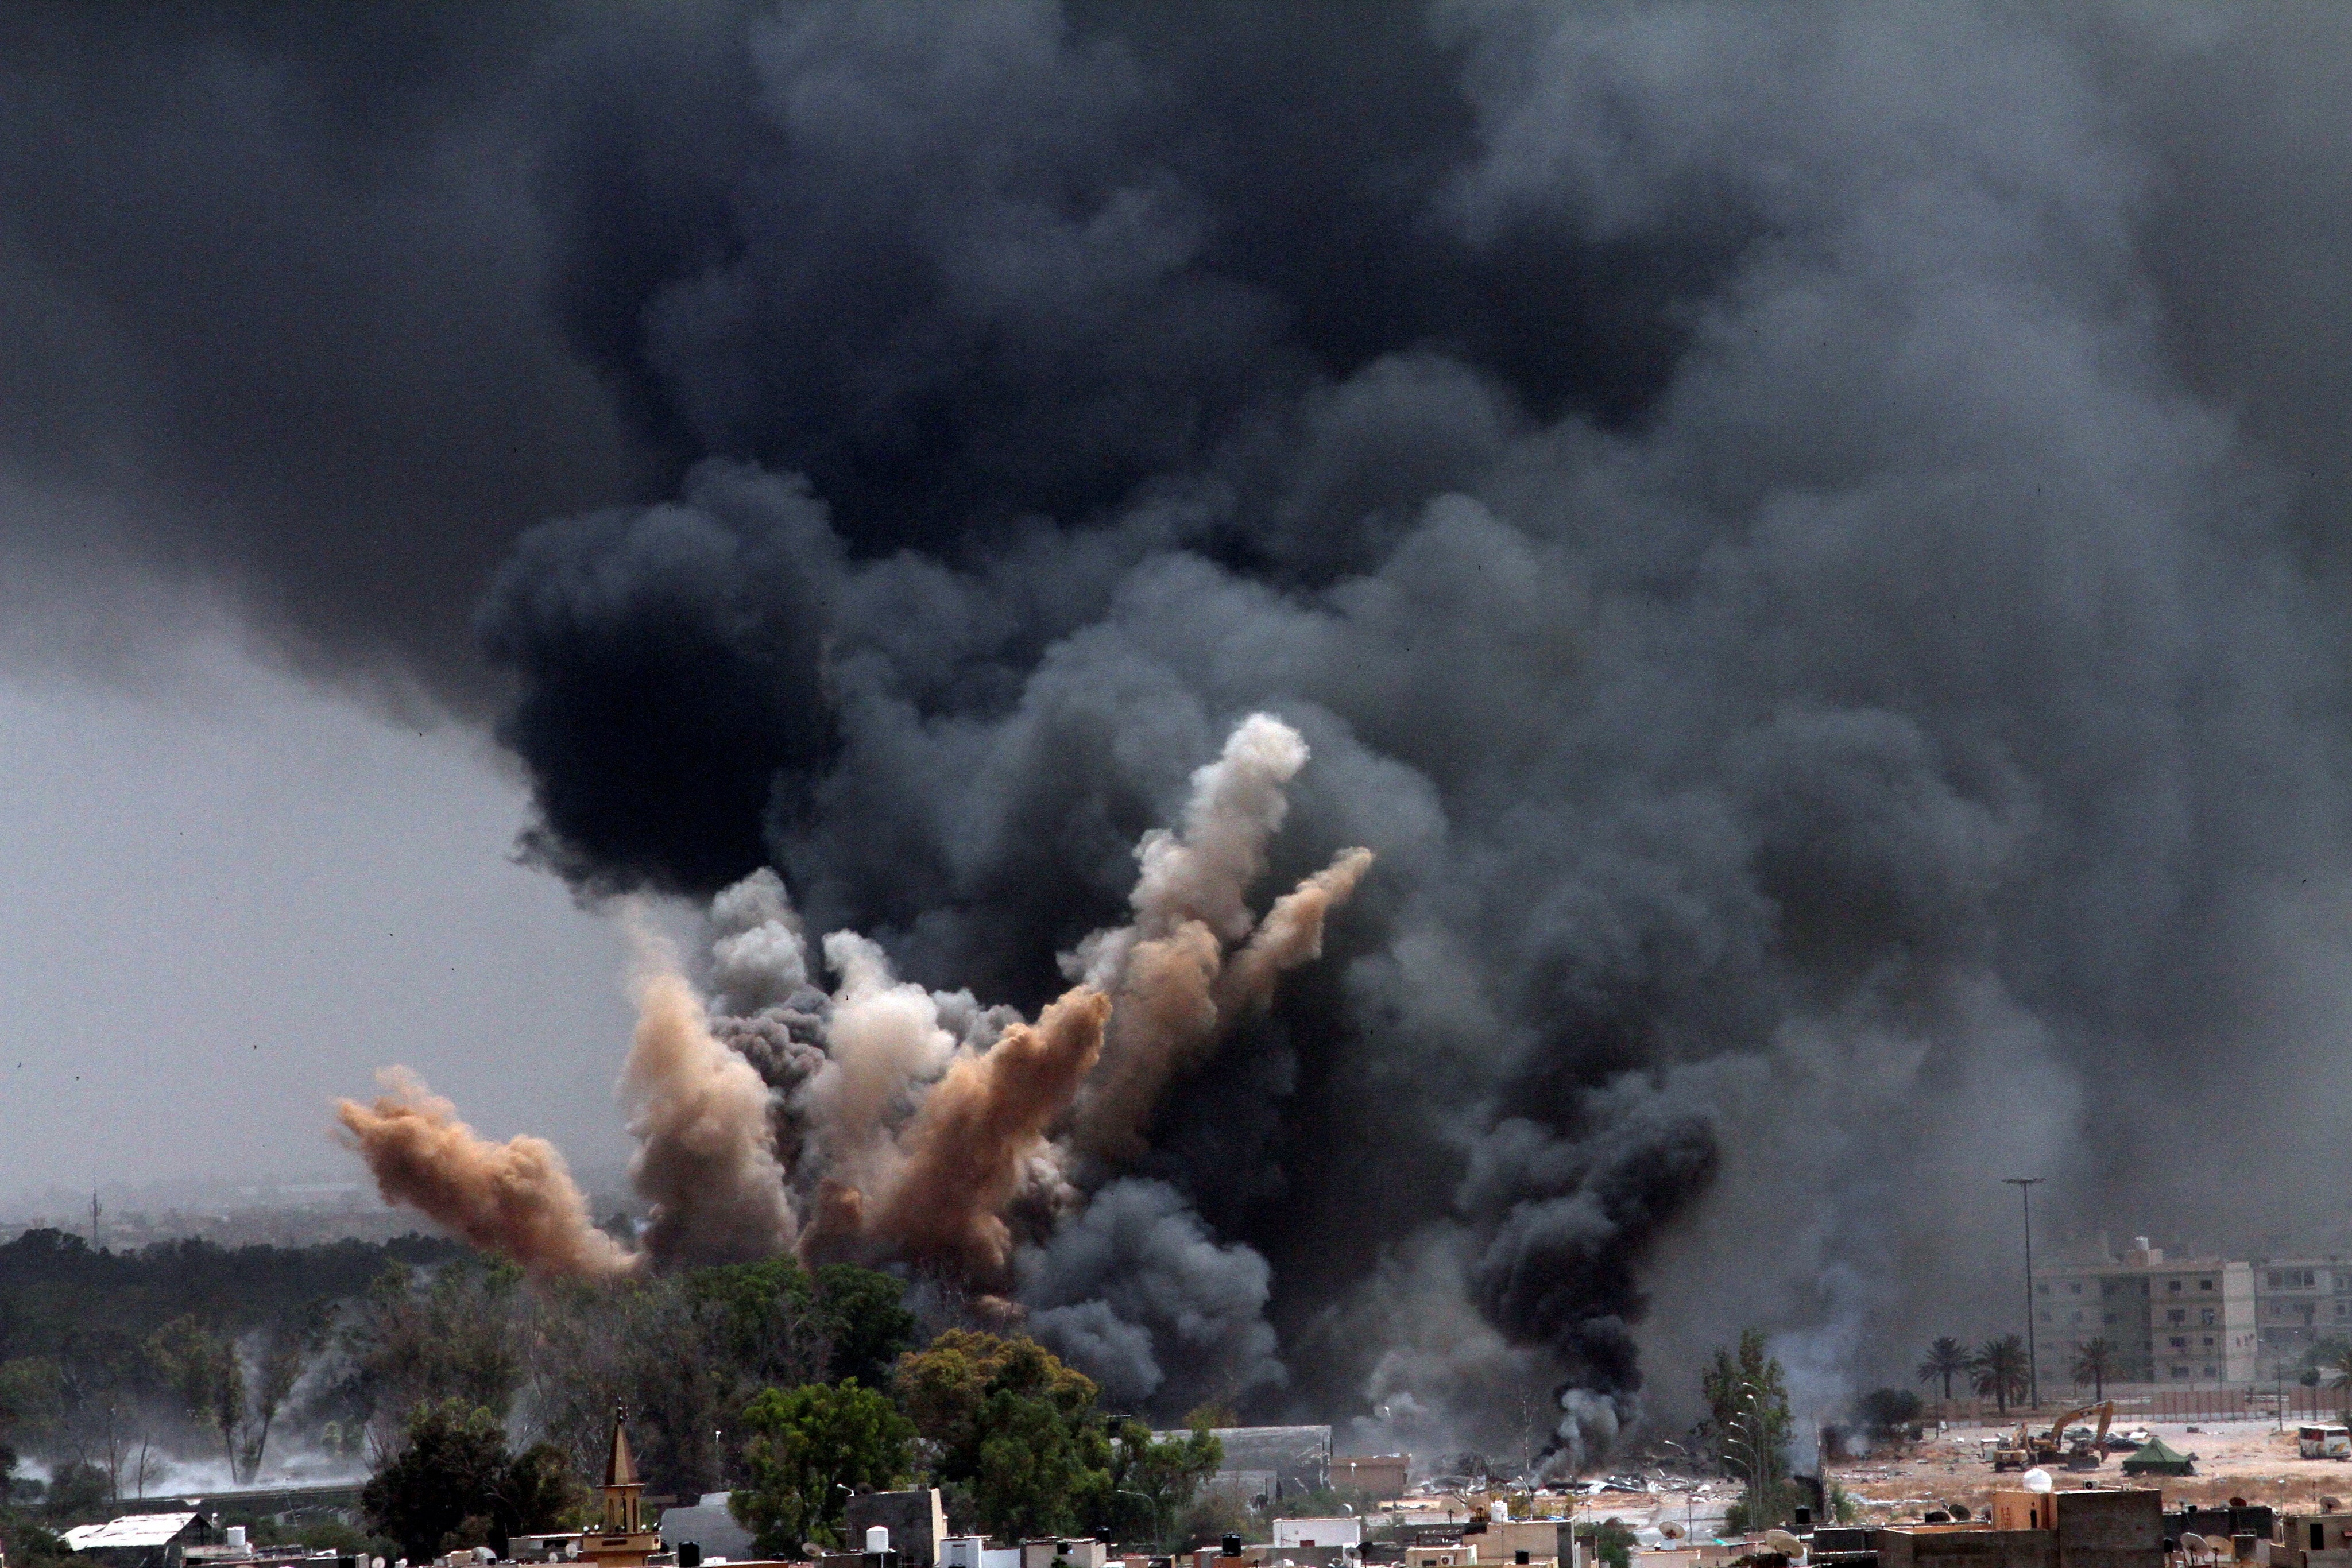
2323 1442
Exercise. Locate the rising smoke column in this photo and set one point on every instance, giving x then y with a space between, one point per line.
966 1147
706 1158
514 1199
1169 972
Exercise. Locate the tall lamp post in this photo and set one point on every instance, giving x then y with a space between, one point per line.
2025 1186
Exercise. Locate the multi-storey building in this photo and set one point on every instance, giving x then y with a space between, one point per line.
2299 1302
2182 1320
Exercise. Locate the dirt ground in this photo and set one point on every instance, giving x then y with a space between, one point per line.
2251 1459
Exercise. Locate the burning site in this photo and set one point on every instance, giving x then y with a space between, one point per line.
1568 740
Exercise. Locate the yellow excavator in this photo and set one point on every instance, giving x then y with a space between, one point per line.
2026 1447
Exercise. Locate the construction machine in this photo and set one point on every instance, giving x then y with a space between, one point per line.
2026 1447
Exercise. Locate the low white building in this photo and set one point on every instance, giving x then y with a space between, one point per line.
1295 1532
141 1540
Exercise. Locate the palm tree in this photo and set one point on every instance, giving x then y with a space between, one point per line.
2095 1362
1946 1359
1998 1368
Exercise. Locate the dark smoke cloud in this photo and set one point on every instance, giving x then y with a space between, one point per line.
1137 1292
1810 544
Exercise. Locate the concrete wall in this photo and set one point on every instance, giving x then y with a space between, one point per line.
1379 1475
1963 1546
916 1522
1501 1539
2110 1528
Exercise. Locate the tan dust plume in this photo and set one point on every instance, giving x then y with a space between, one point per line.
706 1159
1290 935
1175 987
514 1199
966 1149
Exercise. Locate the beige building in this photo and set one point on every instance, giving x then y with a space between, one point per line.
2185 1321
2298 1304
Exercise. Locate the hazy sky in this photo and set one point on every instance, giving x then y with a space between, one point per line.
227 896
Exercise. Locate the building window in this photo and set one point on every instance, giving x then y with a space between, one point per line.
2177 1315
2172 1287
2209 1372
2209 1343
2180 1341
2278 1279
2180 1371
2204 1284
2206 1317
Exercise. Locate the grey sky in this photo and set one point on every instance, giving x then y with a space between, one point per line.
228 895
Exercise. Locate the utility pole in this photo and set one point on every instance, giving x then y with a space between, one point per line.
2025 1186
93 1219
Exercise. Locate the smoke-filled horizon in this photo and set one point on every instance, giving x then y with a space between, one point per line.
1811 546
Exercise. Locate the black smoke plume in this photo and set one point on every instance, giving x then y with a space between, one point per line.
1811 544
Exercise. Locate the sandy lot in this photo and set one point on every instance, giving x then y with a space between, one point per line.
2252 1459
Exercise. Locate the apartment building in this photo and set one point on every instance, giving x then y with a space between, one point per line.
2166 1321
2298 1304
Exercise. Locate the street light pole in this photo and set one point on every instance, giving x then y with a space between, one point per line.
2025 1186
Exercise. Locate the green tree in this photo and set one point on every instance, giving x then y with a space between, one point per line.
32 1396
1040 1472
1998 1370
2094 1363
200 1367
537 1491
78 1493
808 1444
288 1346
1160 1476
866 1326
449 1467
108 1385
1748 1408
408 1342
1012 1432
1945 1359
1608 1541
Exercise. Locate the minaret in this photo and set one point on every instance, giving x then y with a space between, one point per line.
624 1541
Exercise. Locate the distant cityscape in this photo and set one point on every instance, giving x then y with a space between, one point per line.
273 1210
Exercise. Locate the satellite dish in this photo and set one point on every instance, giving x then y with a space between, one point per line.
1670 1531
2037 1479
2193 1544
1780 1540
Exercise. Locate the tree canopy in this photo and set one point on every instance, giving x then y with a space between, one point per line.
1010 1430
807 1445
452 1484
